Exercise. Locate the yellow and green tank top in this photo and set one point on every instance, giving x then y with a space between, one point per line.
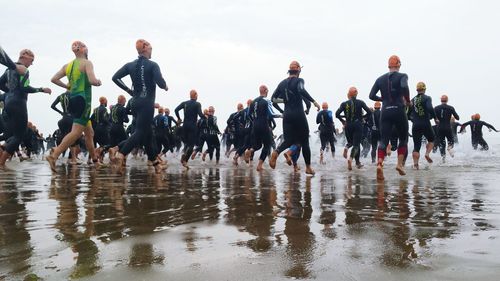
78 80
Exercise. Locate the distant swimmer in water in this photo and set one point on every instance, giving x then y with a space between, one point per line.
15 82
81 77
395 96
476 126
292 93
444 112
145 75
353 124
421 111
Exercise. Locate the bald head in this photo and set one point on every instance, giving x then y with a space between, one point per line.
122 100
249 102
263 91
239 106
324 106
193 95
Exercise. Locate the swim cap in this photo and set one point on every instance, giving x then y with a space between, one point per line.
141 45
444 98
262 89
352 92
26 53
122 99
324 105
103 100
377 104
249 102
477 116
294 66
77 46
421 87
394 61
161 109
239 106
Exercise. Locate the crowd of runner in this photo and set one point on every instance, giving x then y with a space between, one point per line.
102 132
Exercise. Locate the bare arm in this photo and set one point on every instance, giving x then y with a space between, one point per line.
89 69
56 79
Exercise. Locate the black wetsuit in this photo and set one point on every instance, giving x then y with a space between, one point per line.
192 109
212 138
245 132
443 114
353 113
101 125
395 94
145 75
66 122
261 134
291 91
374 124
117 132
454 130
15 112
326 129
421 111
476 127
160 123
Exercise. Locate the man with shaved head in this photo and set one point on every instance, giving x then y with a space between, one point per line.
118 117
233 129
326 130
192 110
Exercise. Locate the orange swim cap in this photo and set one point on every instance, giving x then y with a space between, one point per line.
141 45
352 92
377 104
294 66
161 109
394 61
26 53
77 46
122 100
103 100
421 87
477 116
444 98
249 102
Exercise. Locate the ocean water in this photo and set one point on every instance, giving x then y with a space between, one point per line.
232 223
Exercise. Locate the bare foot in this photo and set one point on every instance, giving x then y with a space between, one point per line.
272 160
380 172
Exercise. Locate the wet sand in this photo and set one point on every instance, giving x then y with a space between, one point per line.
225 223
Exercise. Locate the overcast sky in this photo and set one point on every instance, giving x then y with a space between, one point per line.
226 49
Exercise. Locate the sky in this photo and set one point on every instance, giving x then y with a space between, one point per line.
227 49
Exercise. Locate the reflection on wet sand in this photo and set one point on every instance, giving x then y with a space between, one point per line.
300 224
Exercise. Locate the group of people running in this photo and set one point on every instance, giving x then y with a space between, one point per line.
385 127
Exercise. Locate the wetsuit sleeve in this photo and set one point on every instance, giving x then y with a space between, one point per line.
430 109
454 113
273 123
117 78
462 128
53 106
5 60
308 106
159 78
275 98
489 126
367 110
373 93
302 90
178 108
3 83
339 111
405 88
318 117
124 114
200 113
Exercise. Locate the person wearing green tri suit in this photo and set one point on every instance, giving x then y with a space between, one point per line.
81 77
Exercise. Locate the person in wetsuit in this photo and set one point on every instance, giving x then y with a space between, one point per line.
16 85
292 93
353 124
326 130
476 126
421 111
81 77
145 75
454 129
192 110
64 124
101 125
212 137
262 135
160 123
233 130
444 112
374 124
395 95
118 116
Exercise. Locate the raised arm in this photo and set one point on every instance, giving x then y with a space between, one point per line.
56 79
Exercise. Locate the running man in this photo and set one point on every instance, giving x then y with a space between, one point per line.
395 95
